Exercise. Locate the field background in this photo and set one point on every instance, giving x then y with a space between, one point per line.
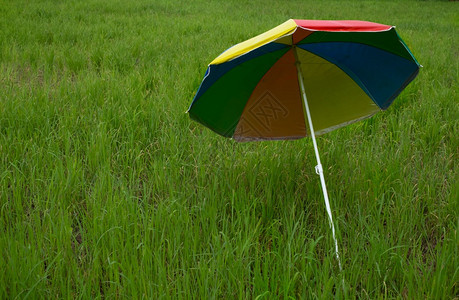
108 189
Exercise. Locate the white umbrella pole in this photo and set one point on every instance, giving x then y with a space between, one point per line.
319 169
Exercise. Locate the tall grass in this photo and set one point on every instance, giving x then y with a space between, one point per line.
107 189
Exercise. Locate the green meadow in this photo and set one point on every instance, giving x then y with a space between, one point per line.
109 190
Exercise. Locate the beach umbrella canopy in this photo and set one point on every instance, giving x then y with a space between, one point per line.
304 78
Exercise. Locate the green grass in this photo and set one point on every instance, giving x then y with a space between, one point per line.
108 189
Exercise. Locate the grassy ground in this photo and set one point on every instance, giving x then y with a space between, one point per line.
107 189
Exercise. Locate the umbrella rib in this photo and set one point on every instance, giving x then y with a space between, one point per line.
319 169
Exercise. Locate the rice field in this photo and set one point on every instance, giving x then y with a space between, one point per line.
109 190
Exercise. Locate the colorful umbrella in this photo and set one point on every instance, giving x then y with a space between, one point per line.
330 73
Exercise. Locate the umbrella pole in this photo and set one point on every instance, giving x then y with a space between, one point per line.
319 169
